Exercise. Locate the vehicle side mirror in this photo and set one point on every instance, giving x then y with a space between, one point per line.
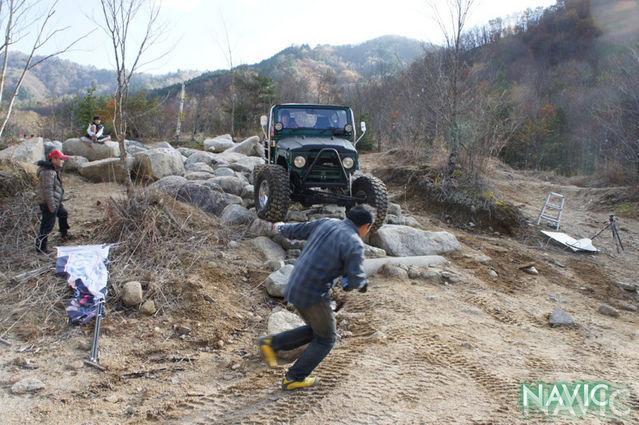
263 120
362 125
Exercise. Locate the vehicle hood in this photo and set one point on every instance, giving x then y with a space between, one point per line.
298 143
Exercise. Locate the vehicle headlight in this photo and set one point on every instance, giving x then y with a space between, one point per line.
299 161
279 126
348 128
348 162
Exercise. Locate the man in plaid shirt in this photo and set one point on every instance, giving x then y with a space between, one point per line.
334 248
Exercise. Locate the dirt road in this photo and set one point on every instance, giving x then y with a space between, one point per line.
412 351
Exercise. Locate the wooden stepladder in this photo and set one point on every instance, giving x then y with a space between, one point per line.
552 209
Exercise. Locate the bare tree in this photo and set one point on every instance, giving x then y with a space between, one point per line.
452 22
16 17
118 20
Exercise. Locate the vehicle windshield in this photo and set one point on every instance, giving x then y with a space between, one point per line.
320 119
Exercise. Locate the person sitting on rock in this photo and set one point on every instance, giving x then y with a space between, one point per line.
95 131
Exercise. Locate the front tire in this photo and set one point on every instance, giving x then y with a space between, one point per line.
372 191
271 193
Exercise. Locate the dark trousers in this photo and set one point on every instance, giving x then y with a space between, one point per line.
319 333
48 221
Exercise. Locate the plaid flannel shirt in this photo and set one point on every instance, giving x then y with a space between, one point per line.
333 249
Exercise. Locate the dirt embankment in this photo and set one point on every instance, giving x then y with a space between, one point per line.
412 351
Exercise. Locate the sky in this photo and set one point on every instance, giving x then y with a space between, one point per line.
199 33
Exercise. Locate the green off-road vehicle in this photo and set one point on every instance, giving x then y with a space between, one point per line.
311 158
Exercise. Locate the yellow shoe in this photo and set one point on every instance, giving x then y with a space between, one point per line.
269 354
289 384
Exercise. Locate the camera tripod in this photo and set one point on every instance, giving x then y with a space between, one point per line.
612 223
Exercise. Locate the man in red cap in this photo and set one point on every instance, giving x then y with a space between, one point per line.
50 194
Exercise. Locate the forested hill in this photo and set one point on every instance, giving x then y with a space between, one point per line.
57 77
300 68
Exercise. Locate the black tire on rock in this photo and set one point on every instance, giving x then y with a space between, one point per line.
374 193
272 193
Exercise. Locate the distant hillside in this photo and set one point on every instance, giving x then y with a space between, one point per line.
58 77
349 64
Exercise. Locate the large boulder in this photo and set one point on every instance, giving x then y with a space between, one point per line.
277 281
249 147
269 249
31 151
73 163
219 143
208 158
154 164
193 193
405 241
229 184
50 146
89 150
235 214
104 170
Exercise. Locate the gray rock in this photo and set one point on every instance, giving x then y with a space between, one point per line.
199 167
219 144
199 175
405 241
30 150
236 214
232 199
269 249
50 146
373 265
608 310
293 253
394 209
230 184
282 320
274 265
132 293
277 281
373 252
558 317
299 216
73 163
250 147
241 167
628 307
392 271
156 163
247 192
104 170
148 308
194 193
208 158
91 151
224 172
27 385
493 274
187 152
628 286
288 243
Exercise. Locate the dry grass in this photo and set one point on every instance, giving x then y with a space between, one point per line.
157 241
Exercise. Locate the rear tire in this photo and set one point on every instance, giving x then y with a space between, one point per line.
374 193
272 193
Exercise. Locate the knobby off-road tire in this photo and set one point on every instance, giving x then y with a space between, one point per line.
375 194
271 193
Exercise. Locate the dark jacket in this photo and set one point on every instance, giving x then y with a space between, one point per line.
333 249
49 189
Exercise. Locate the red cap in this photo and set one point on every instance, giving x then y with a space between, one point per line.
57 154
